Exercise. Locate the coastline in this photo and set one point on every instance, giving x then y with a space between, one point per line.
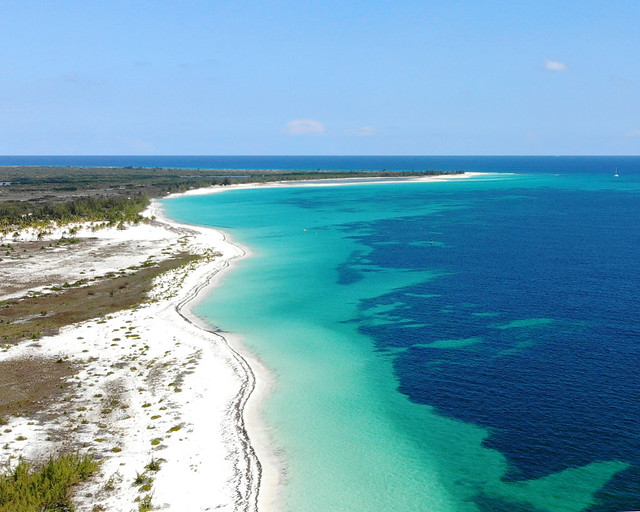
262 466
153 382
270 467
339 182
187 394
247 466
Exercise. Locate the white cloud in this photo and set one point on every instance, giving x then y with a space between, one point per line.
554 65
634 133
304 127
366 131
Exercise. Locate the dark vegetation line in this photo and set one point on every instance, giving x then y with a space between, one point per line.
16 215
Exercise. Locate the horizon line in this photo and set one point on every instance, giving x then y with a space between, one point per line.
313 156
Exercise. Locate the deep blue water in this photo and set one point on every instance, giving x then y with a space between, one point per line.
559 391
543 164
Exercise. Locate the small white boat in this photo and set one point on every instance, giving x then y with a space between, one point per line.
616 175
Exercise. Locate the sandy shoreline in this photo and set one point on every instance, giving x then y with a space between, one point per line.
154 382
338 182
262 463
184 392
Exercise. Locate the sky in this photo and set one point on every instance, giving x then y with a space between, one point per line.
320 77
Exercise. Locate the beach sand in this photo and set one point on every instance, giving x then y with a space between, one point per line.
155 383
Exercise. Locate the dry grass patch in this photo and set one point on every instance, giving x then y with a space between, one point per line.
27 249
32 317
29 385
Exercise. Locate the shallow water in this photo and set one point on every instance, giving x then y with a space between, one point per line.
460 346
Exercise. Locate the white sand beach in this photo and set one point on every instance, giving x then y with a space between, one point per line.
339 182
155 383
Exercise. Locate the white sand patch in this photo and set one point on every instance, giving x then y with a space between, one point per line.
93 255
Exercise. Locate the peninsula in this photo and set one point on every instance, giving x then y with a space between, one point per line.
102 360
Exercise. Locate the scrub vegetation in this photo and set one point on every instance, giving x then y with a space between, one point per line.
27 488
44 314
28 385
16 215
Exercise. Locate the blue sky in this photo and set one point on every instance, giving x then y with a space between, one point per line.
320 77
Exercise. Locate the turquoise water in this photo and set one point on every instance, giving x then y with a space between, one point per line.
370 305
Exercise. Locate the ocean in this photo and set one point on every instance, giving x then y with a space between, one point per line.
470 345
536 164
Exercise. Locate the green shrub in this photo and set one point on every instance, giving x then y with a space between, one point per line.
45 489
154 465
145 503
142 479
